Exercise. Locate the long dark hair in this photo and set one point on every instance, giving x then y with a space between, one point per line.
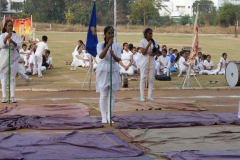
146 31
5 25
105 31
80 41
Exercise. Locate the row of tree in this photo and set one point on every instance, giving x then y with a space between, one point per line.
129 11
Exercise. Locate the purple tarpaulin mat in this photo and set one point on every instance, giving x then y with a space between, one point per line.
175 120
74 145
202 155
8 123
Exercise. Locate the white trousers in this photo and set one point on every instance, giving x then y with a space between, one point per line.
28 70
38 65
143 74
5 83
183 69
23 75
104 102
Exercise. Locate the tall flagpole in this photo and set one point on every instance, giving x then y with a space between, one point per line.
9 71
115 20
110 110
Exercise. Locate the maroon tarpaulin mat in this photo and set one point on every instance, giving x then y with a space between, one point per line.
203 155
175 120
58 110
8 123
74 145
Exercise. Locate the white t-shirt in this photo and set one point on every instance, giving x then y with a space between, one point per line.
224 62
207 64
144 58
165 61
41 46
181 62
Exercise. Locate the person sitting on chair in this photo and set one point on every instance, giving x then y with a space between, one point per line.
163 64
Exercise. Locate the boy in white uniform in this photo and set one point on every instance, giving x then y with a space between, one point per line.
165 64
41 48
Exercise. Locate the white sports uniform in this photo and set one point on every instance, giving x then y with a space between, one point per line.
143 64
103 78
126 58
4 62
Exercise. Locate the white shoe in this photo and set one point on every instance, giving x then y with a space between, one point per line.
108 119
104 120
13 100
74 68
4 100
71 68
28 81
40 76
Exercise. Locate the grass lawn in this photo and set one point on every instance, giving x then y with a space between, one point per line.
62 45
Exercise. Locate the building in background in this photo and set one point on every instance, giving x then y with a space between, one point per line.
179 8
8 12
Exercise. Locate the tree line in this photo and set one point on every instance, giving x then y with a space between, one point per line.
135 12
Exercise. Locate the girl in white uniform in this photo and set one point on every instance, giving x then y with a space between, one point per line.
164 64
208 66
103 72
222 64
79 58
146 45
9 38
183 64
198 62
126 61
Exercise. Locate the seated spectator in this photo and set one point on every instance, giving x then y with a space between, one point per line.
126 61
163 64
49 60
222 64
135 59
79 59
171 56
31 65
208 67
183 64
199 62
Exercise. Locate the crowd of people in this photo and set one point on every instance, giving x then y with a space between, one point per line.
128 59
23 62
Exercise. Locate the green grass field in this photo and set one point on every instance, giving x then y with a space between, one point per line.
62 45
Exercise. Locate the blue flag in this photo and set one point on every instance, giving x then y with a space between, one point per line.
92 40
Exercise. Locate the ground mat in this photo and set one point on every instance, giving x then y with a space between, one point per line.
185 139
74 145
201 155
8 123
59 110
131 104
175 120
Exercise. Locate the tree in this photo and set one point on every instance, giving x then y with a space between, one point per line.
142 9
4 4
81 13
204 6
185 20
227 14
17 6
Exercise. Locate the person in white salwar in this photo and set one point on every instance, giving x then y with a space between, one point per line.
222 64
103 72
42 48
183 64
165 64
49 59
126 61
79 59
147 44
9 38
208 67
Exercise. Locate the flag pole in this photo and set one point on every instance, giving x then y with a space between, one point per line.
110 110
9 71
